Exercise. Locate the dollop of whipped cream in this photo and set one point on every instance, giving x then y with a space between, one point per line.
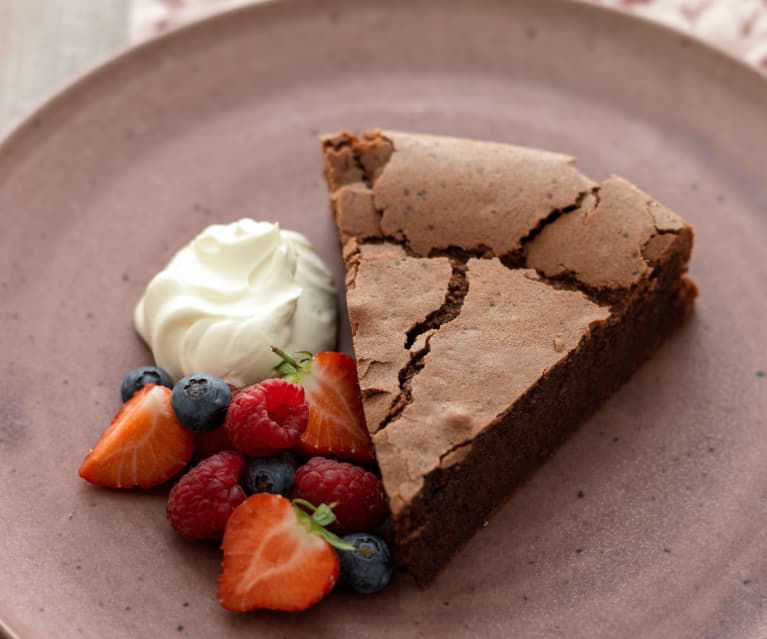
229 295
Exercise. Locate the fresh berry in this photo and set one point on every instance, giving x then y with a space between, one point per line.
136 379
214 441
276 556
336 419
144 446
271 474
200 402
207 444
368 567
201 502
266 418
357 494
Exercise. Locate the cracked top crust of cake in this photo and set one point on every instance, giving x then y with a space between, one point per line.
423 186
504 258
430 193
602 247
511 330
388 291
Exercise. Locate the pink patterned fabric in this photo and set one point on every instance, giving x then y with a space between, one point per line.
739 26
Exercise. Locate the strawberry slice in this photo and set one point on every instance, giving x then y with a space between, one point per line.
336 420
143 446
276 556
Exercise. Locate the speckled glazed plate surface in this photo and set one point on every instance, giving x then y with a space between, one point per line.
650 522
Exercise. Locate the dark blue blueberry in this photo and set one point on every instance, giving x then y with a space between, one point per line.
291 458
140 377
200 402
271 474
369 568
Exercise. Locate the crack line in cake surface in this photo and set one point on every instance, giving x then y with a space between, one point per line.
457 287
612 298
659 231
516 258
357 154
370 180
556 214
366 178
454 447
450 309
568 281
390 239
406 375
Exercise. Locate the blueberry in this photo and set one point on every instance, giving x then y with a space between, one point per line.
140 377
271 475
369 568
200 402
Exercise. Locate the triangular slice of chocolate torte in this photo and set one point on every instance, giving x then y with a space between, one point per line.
496 296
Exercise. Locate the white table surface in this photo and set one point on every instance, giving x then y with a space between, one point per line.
44 44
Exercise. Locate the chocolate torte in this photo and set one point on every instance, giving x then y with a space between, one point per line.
496 296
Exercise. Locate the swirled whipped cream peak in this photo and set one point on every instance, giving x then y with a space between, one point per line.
230 294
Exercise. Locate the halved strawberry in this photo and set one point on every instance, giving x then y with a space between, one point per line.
336 420
276 556
143 446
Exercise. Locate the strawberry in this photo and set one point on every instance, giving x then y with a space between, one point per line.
336 420
143 446
276 556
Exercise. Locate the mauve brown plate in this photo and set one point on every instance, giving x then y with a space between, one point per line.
650 522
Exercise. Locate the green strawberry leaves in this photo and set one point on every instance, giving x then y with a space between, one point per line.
292 370
315 522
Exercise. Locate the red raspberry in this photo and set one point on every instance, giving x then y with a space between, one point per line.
359 496
266 418
200 503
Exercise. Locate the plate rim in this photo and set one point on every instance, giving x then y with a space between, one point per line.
123 56
6 632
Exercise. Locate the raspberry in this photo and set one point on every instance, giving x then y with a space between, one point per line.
358 494
266 418
200 503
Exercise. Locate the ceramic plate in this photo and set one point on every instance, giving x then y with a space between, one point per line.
650 522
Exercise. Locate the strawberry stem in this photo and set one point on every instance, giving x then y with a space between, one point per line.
321 516
307 505
335 541
324 516
285 357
